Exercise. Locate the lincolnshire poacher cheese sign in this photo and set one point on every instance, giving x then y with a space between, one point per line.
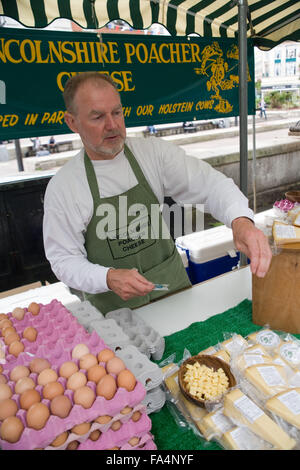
161 79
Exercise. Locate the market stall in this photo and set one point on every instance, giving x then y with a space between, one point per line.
126 404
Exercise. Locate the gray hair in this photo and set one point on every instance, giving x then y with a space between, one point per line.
76 81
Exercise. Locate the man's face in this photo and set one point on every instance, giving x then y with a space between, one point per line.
98 119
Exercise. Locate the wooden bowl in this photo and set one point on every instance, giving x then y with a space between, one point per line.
212 362
293 196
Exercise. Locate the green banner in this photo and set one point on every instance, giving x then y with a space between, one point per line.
161 79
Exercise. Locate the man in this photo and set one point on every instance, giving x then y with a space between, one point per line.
121 270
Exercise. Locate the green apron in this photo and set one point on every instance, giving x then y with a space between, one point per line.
156 258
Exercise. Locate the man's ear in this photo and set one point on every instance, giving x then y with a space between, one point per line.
70 121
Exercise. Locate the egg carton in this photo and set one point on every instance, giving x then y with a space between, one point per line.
85 312
155 400
58 330
146 371
111 333
144 337
128 426
31 438
121 437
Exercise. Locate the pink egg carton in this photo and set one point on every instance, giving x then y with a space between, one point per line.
32 439
58 332
121 437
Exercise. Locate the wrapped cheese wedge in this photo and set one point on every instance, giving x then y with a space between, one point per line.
239 407
284 233
286 405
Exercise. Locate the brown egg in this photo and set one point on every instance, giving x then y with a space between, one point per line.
136 416
81 429
67 369
5 391
5 323
61 406
94 436
11 429
116 425
126 380
72 445
80 350
7 330
84 396
3 316
104 419
37 416
30 334
11 337
87 361
47 376
3 379
105 355
8 407
115 365
60 439
106 387
18 313
23 384
53 389
76 380
28 398
95 373
126 410
34 308
18 372
15 348
134 441
38 364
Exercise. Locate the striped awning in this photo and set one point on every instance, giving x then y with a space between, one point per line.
269 22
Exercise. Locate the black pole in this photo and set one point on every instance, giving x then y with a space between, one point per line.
19 155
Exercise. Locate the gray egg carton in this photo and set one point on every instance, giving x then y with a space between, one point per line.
110 332
85 312
144 337
146 371
154 400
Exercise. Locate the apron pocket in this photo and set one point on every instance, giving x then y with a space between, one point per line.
172 272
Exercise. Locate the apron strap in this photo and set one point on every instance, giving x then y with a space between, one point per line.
92 179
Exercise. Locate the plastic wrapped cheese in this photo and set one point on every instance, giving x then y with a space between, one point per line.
286 405
239 407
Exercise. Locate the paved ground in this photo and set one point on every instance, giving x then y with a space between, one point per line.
209 145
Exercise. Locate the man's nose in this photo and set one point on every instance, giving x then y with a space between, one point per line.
110 122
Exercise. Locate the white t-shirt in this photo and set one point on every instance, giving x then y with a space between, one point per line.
68 203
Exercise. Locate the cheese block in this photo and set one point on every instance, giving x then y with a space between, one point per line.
267 378
210 350
215 424
234 344
286 405
284 233
241 438
222 355
266 338
289 351
296 219
237 406
247 359
257 349
196 413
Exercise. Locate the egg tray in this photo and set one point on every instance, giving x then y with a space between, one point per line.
105 429
58 333
141 335
111 333
154 400
31 438
120 437
85 312
146 371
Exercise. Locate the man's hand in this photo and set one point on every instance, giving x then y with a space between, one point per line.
128 283
252 241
